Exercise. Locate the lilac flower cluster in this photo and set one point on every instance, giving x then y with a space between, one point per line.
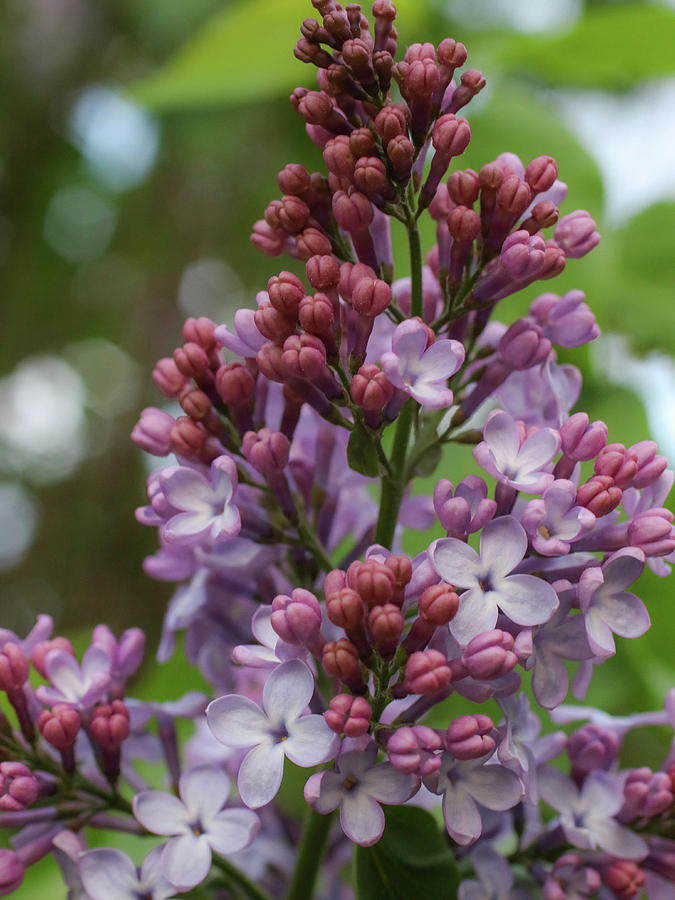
280 514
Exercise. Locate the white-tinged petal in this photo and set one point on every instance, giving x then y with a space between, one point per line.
431 394
310 741
260 774
503 543
501 436
494 786
557 790
623 568
409 342
187 860
153 879
625 613
526 599
187 525
600 636
361 818
108 874
617 840
187 489
287 691
538 449
232 830
456 562
204 791
477 613
326 791
261 626
161 813
386 784
442 360
461 815
550 680
64 673
601 795
237 721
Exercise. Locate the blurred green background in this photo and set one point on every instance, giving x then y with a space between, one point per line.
140 140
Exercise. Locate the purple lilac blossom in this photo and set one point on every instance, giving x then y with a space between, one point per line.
203 504
525 599
553 522
79 686
520 464
109 874
277 730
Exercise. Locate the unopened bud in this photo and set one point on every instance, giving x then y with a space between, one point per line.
490 655
297 619
427 672
348 715
470 737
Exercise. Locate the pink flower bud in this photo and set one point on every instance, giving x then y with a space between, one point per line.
523 346
167 378
386 624
266 450
293 214
39 652
523 254
152 431
469 737
451 53
420 51
312 242
652 531
362 143
463 187
599 494
370 176
438 604
270 363
617 462
427 672
357 55
110 725
188 438
344 608
59 725
471 83
304 355
285 292
370 297
272 324
235 385
415 750
316 314
338 156
340 659
13 668
401 152
196 404
513 196
391 121
650 465
541 173
268 240
451 135
353 211
293 179
581 440
624 877
348 715
19 788
200 331
371 389
646 794
401 569
297 619
323 272
542 215
334 581
576 235
463 224
490 655
191 360
373 581
592 747
12 871
554 261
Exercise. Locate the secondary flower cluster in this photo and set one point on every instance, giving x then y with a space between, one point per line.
281 511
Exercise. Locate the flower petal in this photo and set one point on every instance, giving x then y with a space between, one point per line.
237 721
502 545
493 786
456 562
526 599
108 874
187 489
618 841
387 785
477 613
204 791
287 692
161 813
186 861
310 741
461 815
232 830
260 774
361 818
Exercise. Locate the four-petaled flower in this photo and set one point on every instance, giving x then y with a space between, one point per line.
515 458
421 371
205 508
109 874
277 730
197 822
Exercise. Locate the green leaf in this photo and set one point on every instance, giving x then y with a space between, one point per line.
243 54
612 46
362 451
412 859
430 458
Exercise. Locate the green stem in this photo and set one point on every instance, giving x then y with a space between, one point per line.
315 831
415 268
394 484
240 880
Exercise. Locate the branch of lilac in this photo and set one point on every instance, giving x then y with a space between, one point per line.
322 642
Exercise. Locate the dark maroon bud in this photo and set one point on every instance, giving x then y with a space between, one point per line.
297 96
391 121
235 385
541 173
308 52
543 215
438 604
272 324
357 55
316 314
401 153
451 135
451 53
513 195
370 297
340 659
168 379
353 211
463 187
200 331
362 143
374 582
370 176
490 176
463 224
196 404
293 179
191 360
338 156
401 568
312 242
293 214
371 389
383 63
386 624
617 462
337 24
285 292
345 608
304 355
471 83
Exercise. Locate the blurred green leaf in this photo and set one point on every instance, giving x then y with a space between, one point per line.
612 47
243 54
362 451
410 860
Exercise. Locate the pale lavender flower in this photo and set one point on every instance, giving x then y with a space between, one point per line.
553 522
80 686
516 749
246 340
495 877
587 815
270 649
542 395
277 730
420 371
204 503
525 599
520 464
197 823
109 874
467 509
609 609
567 321
467 783
358 785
